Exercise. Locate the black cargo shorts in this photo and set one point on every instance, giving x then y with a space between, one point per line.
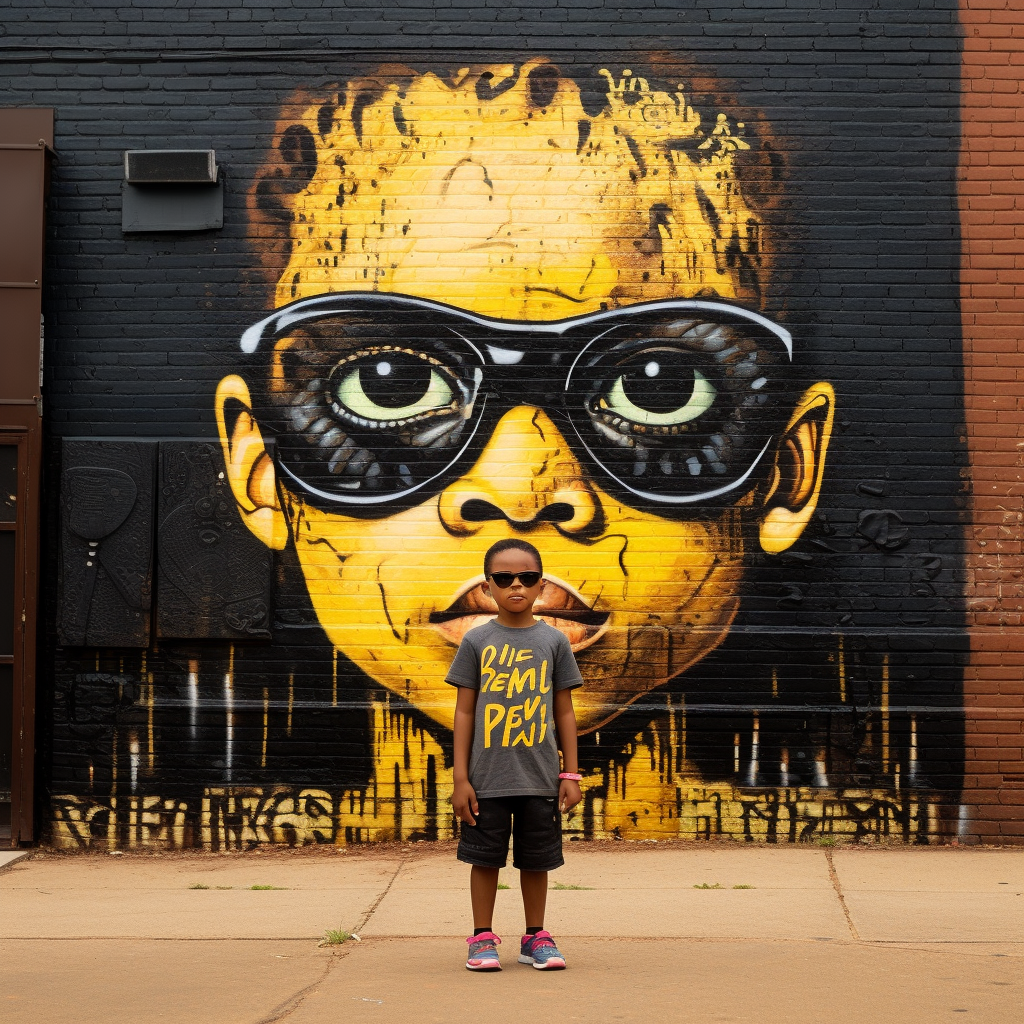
533 823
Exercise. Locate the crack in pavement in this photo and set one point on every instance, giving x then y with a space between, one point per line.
290 1005
380 899
9 862
842 899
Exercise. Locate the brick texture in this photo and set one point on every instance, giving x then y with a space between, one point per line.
992 298
871 681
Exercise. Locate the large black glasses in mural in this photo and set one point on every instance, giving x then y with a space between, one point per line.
379 400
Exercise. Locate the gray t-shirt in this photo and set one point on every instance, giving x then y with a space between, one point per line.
516 672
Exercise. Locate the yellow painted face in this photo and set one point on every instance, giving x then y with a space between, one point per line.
498 193
667 589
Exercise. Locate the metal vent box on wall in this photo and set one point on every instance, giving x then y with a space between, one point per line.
170 166
171 190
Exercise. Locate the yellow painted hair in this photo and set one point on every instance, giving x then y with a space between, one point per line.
495 189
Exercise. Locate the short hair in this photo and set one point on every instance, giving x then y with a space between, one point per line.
510 544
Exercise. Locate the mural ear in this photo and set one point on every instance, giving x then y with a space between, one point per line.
249 468
799 468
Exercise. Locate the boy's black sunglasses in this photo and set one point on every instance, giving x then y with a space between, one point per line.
504 580
379 401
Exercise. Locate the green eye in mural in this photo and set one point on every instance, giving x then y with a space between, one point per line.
389 387
649 396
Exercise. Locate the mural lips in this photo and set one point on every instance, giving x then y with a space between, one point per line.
559 605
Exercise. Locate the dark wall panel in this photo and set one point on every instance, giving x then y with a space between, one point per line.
213 576
106 543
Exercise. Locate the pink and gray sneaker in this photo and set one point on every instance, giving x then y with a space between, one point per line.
540 951
483 952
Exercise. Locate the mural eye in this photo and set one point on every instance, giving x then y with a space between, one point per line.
390 388
659 390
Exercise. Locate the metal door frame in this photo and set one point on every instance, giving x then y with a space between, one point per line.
26 588
26 146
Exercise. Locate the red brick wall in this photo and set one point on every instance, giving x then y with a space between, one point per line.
992 289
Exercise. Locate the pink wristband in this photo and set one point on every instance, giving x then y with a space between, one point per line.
571 776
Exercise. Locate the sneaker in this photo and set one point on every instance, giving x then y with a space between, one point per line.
483 952
541 951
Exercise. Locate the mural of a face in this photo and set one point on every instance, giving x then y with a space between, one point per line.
507 310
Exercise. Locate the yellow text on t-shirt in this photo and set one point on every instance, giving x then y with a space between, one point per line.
514 682
518 716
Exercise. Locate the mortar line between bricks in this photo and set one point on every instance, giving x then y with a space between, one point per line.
380 899
839 893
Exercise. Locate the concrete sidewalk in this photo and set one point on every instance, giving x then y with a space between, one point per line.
680 932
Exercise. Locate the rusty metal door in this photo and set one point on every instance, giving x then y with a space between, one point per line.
26 141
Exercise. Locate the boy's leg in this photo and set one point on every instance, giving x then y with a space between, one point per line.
483 951
485 846
534 885
537 831
483 887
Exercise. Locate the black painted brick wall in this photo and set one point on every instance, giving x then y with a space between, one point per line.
864 100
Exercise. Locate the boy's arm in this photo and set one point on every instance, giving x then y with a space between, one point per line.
463 795
569 794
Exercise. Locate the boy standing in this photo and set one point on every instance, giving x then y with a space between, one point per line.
515 676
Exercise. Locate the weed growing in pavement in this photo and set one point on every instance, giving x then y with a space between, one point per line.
266 888
565 888
743 887
199 885
704 885
502 885
337 937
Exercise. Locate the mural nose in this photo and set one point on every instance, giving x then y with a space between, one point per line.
527 476
479 510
